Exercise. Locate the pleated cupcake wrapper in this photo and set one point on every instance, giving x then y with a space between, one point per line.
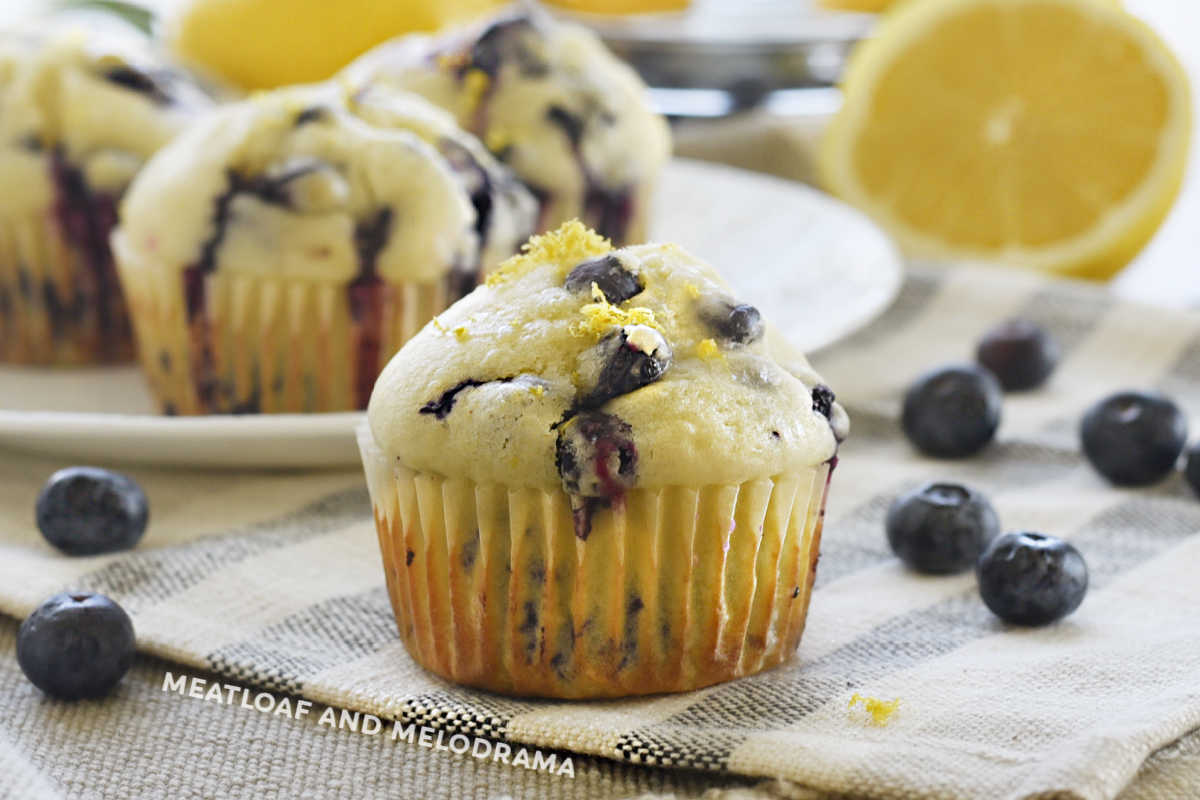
268 345
675 589
50 300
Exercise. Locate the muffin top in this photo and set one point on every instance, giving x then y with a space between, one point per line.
546 97
101 101
320 183
601 370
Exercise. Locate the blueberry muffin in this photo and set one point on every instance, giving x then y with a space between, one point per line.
592 477
278 253
79 115
550 101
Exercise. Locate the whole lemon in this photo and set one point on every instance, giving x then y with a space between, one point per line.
260 44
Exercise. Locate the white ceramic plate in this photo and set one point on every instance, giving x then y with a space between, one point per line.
816 268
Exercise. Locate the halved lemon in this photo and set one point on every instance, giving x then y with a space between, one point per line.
260 44
1050 134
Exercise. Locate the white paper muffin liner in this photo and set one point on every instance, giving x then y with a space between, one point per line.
675 589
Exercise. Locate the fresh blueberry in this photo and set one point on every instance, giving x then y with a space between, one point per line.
1031 578
609 274
1192 471
628 359
1133 438
952 412
1019 353
735 322
76 645
85 511
940 528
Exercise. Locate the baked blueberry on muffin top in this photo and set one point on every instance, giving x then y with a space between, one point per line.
600 370
79 115
550 101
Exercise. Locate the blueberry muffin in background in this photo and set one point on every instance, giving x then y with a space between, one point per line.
80 112
593 477
550 101
278 253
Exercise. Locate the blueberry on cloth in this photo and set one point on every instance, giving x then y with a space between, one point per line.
1031 578
1192 470
1020 353
941 528
609 275
1133 438
952 412
86 511
76 645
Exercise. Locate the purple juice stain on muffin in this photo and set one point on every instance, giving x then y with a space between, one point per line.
311 114
610 210
597 460
444 404
153 85
476 180
570 123
86 218
194 276
366 298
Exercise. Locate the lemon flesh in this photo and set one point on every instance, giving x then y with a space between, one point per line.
261 44
1050 134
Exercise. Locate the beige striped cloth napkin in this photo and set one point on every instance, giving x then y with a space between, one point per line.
274 581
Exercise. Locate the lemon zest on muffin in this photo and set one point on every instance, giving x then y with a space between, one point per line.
693 291
601 316
880 710
537 390
571 243
708 350
450 61
475 86
461 333
497 139
437 323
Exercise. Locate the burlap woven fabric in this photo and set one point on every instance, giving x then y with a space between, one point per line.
274 580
